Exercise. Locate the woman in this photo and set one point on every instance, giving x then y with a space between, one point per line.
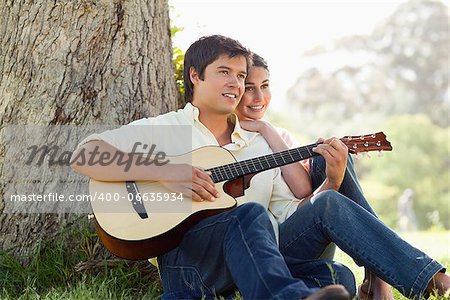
250 111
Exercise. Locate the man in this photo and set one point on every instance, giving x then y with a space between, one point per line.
235 248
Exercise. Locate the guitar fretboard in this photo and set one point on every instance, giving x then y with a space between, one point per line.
262 163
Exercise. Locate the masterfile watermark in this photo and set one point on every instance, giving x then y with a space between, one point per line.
56 156
38 174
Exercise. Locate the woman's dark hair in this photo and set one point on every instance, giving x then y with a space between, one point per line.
206 50
258 61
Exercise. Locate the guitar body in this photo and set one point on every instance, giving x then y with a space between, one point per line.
140 230
127 235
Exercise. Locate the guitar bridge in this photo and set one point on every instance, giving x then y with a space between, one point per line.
135 198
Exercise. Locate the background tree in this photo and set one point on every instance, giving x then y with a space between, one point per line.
396 80
402 67
77 62
420 161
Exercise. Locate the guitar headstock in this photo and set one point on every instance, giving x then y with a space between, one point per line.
365 143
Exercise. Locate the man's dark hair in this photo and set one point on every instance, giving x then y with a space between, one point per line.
258 61
206 50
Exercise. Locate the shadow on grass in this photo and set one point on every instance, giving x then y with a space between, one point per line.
51 272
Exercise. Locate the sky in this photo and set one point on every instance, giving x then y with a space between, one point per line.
279 31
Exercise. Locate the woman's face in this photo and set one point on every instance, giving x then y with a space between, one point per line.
257 96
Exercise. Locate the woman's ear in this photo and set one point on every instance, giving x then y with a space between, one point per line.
193 74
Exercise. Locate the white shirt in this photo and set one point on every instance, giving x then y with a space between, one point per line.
179 132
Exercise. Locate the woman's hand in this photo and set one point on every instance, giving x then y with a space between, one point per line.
296 177
254 125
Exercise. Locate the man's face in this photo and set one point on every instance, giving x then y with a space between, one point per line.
222 86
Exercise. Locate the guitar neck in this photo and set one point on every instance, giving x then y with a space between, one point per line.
355 144
262 163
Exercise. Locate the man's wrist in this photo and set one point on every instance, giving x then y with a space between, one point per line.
332 185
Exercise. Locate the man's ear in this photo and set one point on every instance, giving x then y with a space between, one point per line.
194 76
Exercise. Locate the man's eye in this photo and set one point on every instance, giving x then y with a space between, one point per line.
224 72
241 76
249 88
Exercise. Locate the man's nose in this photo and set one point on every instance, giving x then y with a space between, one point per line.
233 81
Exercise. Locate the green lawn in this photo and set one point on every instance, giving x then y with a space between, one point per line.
51 273
434 243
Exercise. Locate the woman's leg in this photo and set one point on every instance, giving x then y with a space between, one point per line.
350 186
372 287
331 217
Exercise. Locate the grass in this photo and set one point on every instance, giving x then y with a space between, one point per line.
435 243
51 274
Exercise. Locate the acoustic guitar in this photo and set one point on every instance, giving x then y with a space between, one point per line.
143 219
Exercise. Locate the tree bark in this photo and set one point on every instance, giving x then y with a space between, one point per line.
77 62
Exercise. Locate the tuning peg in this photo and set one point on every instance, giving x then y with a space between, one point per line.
368 155
357 156
380 153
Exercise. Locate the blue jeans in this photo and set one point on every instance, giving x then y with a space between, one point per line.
352 225
350 188
233 249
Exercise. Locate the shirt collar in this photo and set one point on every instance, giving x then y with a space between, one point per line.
239 137
191 112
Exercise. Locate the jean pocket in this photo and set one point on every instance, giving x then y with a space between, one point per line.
184 280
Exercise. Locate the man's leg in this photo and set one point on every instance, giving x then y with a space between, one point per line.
331 217
236 247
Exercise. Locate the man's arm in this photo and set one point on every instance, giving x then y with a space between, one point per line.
86 160
335 153
117 165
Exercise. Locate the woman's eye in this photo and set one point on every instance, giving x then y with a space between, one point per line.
249 88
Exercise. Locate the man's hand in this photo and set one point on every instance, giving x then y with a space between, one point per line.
191 181
335 153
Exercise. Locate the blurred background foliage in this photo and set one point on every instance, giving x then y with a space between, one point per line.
394 80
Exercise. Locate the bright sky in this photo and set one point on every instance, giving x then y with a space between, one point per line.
279 31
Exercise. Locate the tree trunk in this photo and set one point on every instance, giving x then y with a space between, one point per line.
77 62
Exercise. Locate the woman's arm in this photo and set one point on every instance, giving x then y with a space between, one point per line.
295 175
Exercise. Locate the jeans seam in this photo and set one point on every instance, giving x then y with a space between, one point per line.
251 256
192 269
296 237
209 225
431 268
